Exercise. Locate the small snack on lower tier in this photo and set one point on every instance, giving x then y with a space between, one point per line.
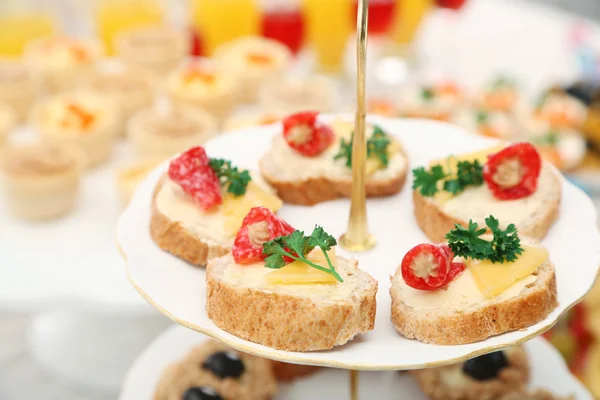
435 101
202 85
246 119
157 132
59 63
486 377
285 372
509 182
563 148
539 394
474 287
486 123
500 95
252 61
287 290
129 177
311 161
41 180
82 119
128 89
213 371
559 111
159 49
293 95
200 203
8 119
17 88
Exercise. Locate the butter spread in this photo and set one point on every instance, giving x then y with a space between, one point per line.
458 295
477 203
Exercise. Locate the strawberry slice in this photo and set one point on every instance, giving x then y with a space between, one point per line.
258 227
191 170
305 134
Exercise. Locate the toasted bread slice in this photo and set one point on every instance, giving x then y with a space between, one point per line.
311 180
471 318
533 215
451 382
289 317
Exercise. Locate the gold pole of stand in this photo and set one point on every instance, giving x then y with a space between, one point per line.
357 237
353 385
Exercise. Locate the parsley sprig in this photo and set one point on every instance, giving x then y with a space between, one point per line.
296 246
235 180
377 146
505 245
468 173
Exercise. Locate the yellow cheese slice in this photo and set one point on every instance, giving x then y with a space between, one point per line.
493 279
236 208
298 272
374 164
450 165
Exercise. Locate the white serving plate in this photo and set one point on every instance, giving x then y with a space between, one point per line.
548 371
177 289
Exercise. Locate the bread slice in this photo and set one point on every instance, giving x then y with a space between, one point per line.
477 320
180 240
533 215
451 383
289 317
311 180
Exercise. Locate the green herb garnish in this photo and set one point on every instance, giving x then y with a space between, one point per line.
502 81
427 94
296 246
482 117
467 174
377 146
505 245
549 139
235 180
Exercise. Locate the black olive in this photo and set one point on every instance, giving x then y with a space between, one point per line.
225 364
201 393
485 367
584 91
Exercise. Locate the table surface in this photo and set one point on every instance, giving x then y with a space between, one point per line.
21 379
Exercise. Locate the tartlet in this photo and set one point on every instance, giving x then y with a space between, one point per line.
59 63
157 48
432 101
17 87
486 123
246 118
130 176
292 95
129 89
157 133
41 180
202 85
82 119
8 119
253 61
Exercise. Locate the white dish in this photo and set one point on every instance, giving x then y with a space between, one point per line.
178 290
548 371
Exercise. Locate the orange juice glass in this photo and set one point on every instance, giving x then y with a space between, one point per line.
408 16
18 28
220 21
113 16
328 30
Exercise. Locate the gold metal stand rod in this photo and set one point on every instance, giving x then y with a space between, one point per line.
357 237
353 385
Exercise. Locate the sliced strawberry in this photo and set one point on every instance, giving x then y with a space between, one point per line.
258 227
305 134
192 172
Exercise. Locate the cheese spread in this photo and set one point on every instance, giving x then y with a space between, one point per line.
478 203
458 295
294 166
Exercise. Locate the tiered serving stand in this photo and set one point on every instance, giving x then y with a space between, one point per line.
177 289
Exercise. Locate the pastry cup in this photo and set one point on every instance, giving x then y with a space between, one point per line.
292 95
218 97
129 89
41 181
8 118
97 142
161 133
58 72
130 176
156 48
233 58
17 88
